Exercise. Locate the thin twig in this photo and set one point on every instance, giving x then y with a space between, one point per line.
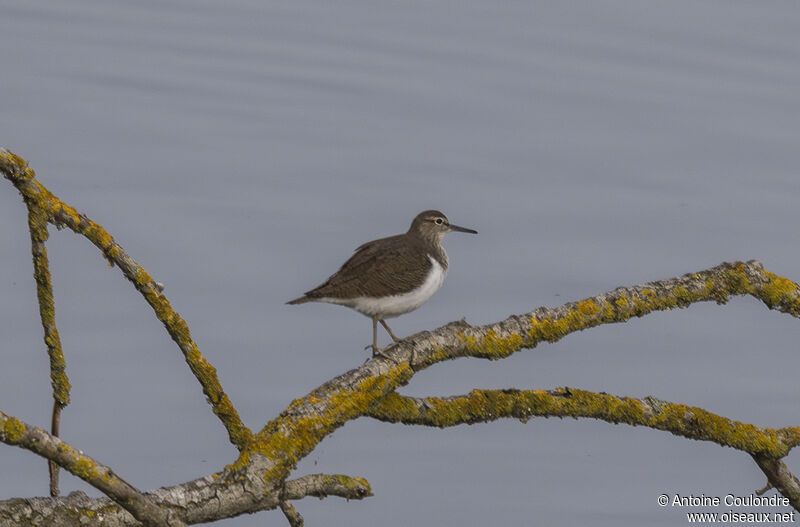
55 424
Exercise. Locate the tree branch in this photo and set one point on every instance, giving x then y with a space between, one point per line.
501 339
38 198
294 517
766 445
780 477
37 225
256 480
294 433
324 485
15 432
480 406
203 500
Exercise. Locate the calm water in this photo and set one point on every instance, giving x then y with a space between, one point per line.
240 151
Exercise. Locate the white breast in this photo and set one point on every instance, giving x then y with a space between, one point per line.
395 305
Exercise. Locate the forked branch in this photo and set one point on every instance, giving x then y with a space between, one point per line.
48 207
15 432
257 480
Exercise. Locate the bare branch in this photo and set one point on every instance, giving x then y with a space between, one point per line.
320 486
55 423
15 432
780 477
294 517
764 489
38 198
324 485
480 406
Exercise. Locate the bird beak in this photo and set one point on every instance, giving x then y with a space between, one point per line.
462 229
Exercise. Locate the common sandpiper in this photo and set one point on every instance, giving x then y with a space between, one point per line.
391 276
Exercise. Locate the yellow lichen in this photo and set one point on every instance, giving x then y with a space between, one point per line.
13 430
682 295
288 438
350 483
588 307
486 405
84 468
142 277
37 223
621 303
780 292
492 346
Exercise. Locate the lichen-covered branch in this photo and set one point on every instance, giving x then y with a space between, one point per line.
37 225
297 431
294 433
49 207
481 406
499 340
204 500
257 479
15 432
766 445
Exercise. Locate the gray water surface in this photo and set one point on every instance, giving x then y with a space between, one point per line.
241 150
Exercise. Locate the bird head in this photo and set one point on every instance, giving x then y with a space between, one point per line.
433 225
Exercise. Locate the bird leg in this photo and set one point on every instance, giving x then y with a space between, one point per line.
386 326
375 349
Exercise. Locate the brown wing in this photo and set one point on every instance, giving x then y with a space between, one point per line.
388 266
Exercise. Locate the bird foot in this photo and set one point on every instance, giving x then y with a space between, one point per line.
376 351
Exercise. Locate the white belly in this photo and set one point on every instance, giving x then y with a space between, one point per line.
395 305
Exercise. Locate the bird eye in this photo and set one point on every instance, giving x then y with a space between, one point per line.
438 221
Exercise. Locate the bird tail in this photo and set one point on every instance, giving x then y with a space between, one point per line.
300 300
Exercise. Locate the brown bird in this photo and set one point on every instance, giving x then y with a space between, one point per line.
391 276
